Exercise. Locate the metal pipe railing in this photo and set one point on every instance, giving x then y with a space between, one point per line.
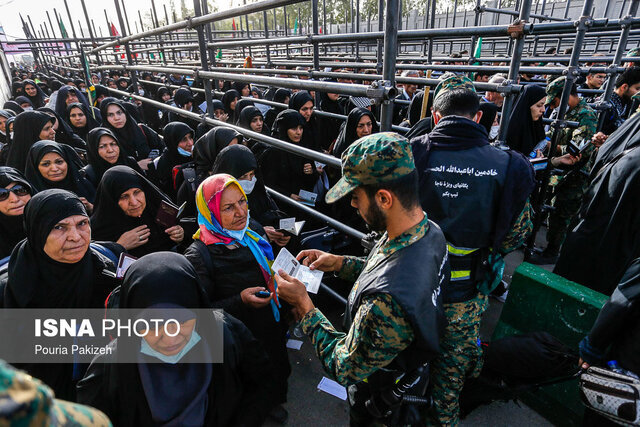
286 146
205 19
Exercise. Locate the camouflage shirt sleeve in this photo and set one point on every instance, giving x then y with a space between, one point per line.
379 332
520 231
351 268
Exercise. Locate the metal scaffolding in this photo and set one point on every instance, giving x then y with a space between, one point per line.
370 59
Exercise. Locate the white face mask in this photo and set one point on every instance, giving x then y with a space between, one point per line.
141 92
28 108
493 133
248 185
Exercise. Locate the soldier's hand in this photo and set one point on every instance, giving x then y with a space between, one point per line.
566 160
318 260
294 292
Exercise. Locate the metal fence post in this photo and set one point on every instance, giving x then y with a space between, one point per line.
316 49
203 59
572 73
389 65
134 77
514 69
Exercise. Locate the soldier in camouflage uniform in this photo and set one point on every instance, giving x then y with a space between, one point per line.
25 401
394 314
569 188
464 183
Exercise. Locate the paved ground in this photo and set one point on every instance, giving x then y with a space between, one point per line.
309 407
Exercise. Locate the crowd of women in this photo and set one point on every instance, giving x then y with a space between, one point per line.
77 169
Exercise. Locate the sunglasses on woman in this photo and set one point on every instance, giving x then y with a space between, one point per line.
18 190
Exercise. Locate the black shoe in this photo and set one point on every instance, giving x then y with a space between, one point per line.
279 414
545 258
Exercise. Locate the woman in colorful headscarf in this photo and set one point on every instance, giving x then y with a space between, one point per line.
237 274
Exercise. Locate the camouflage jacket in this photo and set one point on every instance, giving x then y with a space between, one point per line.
380 328
587 125
25 401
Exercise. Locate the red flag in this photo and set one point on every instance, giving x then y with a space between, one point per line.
233 26
115 33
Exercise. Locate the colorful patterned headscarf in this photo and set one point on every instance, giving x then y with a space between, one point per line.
211 232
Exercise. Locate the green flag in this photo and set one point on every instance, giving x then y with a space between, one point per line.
295 27
478 51
219 54
152 56
63 31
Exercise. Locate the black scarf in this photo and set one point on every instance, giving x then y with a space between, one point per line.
92 123
237 160
309 136
109 222
37 281
625 137
38 99
206 149
130 136
74 181
348 133
64 133
11 227
523 134
247 115
241 105
26 132
489 112
228 97
173 133
61 99
13 106
99 165
22 99
172 394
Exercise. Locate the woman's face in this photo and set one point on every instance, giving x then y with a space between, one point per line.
247 176
306 110
234 141
26 106
186 143
364 127
3 124
333 96
116 117
113 85
95 80
256 124
537 109
14 204
71 97
166 344
295 134
53 167
30 90
77 118
165 97
132 202
69 239
246 91
233 103
108 149
233 209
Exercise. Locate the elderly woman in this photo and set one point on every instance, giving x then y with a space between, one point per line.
54 267
103 152
170 385
239 162
125 212
15 192
53 165
233 263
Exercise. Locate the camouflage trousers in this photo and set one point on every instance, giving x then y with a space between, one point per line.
460 358
566 203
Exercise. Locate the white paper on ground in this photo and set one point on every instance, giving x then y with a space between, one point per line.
333 388
294 344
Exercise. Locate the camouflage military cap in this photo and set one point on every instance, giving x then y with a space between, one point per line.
450 81
634 52
373 159
554 89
